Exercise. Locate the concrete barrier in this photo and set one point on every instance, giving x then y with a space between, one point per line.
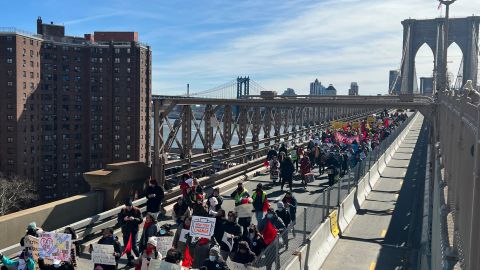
49 216
321 242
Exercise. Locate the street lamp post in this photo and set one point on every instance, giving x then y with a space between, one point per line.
444 76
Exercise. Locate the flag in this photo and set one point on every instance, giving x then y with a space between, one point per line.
266 164
269 233
128 247
266 205
187 259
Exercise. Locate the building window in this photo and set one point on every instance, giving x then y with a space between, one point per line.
9 38
10 117
117 60
9 60
117 50
128 70
117 147
10 140
31 63
128 60
128 156
10 83
31 75
9 49
128 50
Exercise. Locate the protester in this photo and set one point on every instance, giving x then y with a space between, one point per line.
286 170
198 249
129 218
270 225
149 253
181 243
283 149
231 230
239 193
305 168
155 195
332 169
199 208
212 209
259 199
25 261
295 156
173 256
243 255
214 261
274 169
255 240
180 211
109 239
75 249
150 229
291 203
271 153
32 230
216 194
246 220
283 213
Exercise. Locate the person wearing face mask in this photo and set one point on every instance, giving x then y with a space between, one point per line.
109 239
231 230
57 265
24 262
216 194
214 261
148 254
129 218
243 255
150 229
165 231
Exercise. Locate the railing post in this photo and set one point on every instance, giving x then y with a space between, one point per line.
304 225
328 199
339 193
323 204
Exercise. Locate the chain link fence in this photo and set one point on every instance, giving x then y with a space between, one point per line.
281 251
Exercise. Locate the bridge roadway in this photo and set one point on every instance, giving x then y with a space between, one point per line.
306 198
386 231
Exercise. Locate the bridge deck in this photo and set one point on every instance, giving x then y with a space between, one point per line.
386 230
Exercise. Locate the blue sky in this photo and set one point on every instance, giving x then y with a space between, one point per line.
279 44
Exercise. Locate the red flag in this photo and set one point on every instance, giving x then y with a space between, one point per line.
266 163
128 247
266 205
269 233
187 259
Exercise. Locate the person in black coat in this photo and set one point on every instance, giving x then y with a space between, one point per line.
243 254
155 195
286 171
333 165
254 239
129 219
109 239
214 261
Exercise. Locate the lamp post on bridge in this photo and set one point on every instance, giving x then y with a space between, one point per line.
444 81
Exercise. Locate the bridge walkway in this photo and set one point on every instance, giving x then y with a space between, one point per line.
386 231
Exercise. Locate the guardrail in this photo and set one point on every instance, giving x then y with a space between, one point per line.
90 228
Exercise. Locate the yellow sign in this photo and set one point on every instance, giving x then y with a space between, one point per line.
356 125
334 223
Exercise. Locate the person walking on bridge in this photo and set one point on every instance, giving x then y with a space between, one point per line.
240 193
129 219
260 203
286 171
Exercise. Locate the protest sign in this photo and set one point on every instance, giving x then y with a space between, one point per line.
164 244
228 240
244 210
55 246
31 243
202 227
103 254
163 265
183 236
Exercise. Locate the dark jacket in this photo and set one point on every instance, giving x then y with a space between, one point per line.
63 266
131 225
147 233
116 247
258 200
284 215
276 222
257 244
271 154
292 206
287 169
243 258
153 204
219 264
199 210
232 228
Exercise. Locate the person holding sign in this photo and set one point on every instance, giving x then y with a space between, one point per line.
180 239
129 218
150 253
214 261
25 261
109 239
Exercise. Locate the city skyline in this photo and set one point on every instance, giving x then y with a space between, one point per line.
293 43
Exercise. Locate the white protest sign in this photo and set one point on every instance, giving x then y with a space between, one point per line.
228 240
202 227
244 210
103 254
31 243
55 246
164 244
183 236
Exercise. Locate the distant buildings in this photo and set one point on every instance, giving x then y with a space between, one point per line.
426 86
289 92
71 104
394 82
330 91
317 89
353 91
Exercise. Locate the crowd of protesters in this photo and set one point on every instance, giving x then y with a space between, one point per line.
238 239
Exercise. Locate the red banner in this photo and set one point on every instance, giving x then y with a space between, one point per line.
346 139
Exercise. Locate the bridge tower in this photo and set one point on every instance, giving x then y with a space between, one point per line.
463 31
243 86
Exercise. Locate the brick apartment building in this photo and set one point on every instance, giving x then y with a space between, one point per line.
71 104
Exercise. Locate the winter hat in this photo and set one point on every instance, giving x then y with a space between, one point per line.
213 201
32 226
215 251
280 205
152 241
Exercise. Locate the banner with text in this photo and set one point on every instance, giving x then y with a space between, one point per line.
202 227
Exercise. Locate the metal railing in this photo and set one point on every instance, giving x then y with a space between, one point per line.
279 252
